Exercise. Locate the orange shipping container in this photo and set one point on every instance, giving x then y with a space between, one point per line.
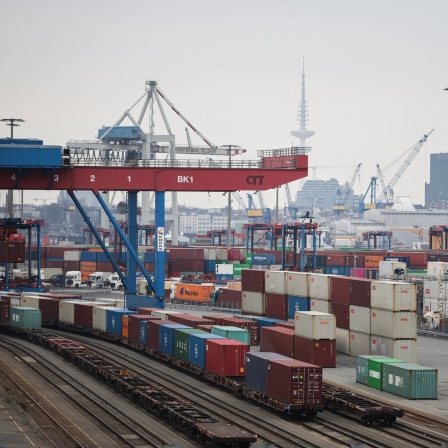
88 266
192 292
373 261
125 326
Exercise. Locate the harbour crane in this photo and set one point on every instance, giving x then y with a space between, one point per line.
386 196
292 209
341 200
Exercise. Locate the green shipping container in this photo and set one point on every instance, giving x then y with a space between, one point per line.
181 341
25 317
376 371
237 268
410 381
362 367
230 332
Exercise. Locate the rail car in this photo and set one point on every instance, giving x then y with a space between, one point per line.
356 405
353 404
196 423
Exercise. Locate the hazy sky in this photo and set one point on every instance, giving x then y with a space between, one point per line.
375 74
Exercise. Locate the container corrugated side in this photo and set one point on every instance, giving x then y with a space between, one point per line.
253 302
231 332
359 319
362 367
321 353
99 321
295 303
340 289
277 340
323 306
166 338
342 341
394 296
319 286
315 325
226 357
375 378
395 325
404 349
297 284
25 317
181 338
410 381
276 305
359 343
257 369
196 347
341 312
275 282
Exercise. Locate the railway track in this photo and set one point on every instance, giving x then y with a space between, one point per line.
58 427
334 433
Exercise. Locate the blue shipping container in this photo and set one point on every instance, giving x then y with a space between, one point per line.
224 277
337 270
257 368
149 257
166 337
265 259
406 260
143 332
295 303
114 319
265 322
210 265
196 348
31 156
88 256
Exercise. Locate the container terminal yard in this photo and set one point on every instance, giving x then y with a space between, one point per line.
220 346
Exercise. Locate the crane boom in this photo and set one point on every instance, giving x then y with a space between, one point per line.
402 169
384 190
351 183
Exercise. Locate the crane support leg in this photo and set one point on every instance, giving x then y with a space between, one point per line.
95 233
160 249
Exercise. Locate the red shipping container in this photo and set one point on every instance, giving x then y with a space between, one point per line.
134 325
147 310
70 265
185 253
318 352
56 251
217 320
277 340
4 311
226 357
350 261
289 325
252 280
153 336
12 251
342 313
50 310
294 382
191 265
230 295
340 289
104 266
233 254
360 292
336 260
276 305
83 315
189 320
207 328
247 324
58 264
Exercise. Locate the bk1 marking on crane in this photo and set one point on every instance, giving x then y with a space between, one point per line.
185 179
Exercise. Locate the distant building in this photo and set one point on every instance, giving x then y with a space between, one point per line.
436 191
317 193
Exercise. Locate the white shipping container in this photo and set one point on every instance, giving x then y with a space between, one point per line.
67 310
275 282
437 268
32 302
99 321
253 302
359 319
342 340
403 349
315 325
72 255
209 253
434 289
15 302
319 286
359 343
432 305
226 269
324 306
222 254
297 284
395 325
394 296
387 268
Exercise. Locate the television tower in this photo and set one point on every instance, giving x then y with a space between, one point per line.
303 133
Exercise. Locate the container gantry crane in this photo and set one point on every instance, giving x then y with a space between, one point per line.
54 168
341 200
386 197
